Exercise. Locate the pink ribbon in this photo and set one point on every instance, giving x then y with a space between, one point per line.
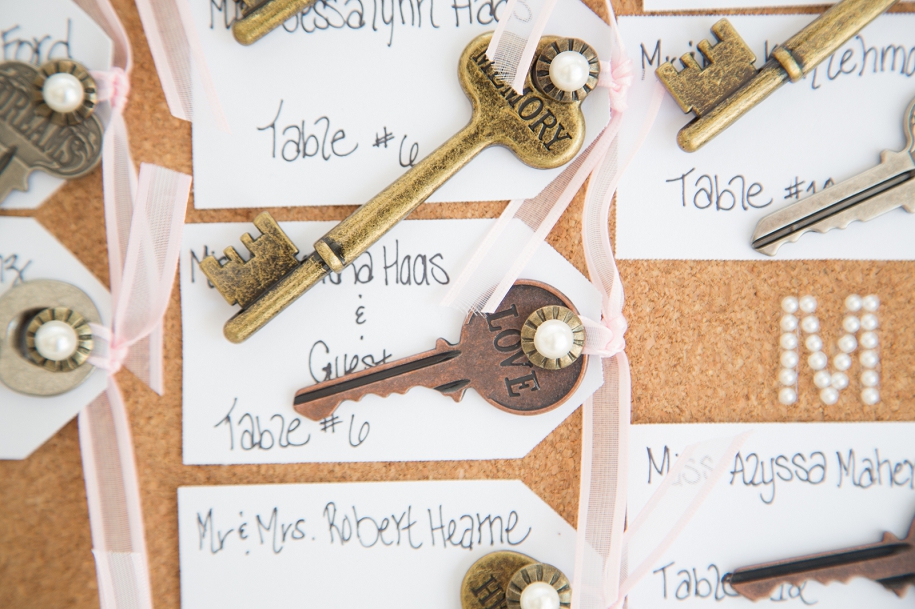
144 220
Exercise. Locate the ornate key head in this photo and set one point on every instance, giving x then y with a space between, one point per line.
730 66
543 130
57 133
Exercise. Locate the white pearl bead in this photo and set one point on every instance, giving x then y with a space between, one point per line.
853 303
63 92
870 303
56 340
788 323
870 378
822 379
787 396
569 71
810 324
829 396
553 339
869 359
851 324
787 376
842 361
869 340
869 322
808 304
788 341
789 304
817 360
813 342
788 359
539 595
839 380
848 343
870 396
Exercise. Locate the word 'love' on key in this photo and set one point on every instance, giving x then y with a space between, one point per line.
544 126
46 122
883 188
729 85
490 358
890 563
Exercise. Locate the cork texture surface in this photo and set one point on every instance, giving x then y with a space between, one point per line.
701 341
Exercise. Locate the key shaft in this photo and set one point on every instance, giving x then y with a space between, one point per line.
266 17
890 562
874 192
435 369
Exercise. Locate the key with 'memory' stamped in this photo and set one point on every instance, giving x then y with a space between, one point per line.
491 357
544 126
890 563
889 185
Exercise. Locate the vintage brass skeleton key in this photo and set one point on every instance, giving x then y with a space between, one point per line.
260 17
889 185
490 357
511 580
66 143
544 127
890 563
729 86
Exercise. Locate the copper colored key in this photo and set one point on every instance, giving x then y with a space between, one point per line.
890 563
488 358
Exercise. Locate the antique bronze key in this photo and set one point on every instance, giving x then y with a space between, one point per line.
511 580
890 563
544 127
489 358
729 85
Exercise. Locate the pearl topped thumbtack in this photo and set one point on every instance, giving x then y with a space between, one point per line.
63 93
569 71
56 340
553 337
539 595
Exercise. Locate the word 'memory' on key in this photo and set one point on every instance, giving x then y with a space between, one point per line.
529 106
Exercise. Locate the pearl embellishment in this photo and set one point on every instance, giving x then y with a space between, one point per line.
553 339
539 595
56 340
858 331
569 71
63 92
787 396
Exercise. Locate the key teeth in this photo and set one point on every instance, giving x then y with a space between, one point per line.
273 256
730 64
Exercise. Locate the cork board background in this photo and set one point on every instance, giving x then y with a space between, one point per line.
701 341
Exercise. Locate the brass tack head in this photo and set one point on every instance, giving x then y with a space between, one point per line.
72 69
81 329
540 71
546 317
532 579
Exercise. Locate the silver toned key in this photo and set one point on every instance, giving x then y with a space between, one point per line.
889 185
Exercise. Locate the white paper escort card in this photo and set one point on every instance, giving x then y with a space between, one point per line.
29 252
793 489
404 544
356 89
238 397
824 129
38 31
720 5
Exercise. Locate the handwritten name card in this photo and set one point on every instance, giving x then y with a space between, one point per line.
356 88
822 130
407 544
717 5
29 252
793 489
38 31
238 398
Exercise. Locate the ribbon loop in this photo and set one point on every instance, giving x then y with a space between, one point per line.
113 87
616 76
604 338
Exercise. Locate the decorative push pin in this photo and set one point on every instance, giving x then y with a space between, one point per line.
53 127
553 337
515 581
45 338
